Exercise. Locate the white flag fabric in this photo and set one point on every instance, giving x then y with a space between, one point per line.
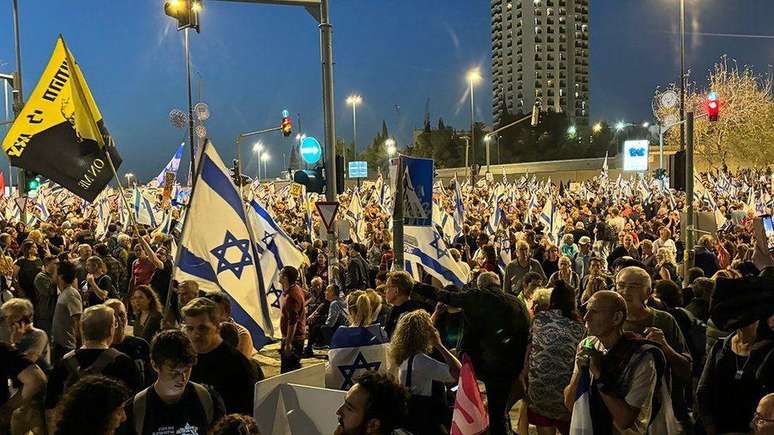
172 166
355 215
103 219
218 253
425 246
276 250
353 351
144 209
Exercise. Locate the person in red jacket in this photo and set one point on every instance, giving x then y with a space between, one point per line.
292 320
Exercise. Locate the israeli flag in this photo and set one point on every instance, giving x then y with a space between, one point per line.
40 203
531 206
172 166
353 351
143 208
547 218
580 422
442 220
355 215
459 208
497 212
425 246
275 250
218 252
103 219
503 245
166 223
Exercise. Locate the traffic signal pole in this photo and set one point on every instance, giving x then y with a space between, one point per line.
689 221
18 96
326 60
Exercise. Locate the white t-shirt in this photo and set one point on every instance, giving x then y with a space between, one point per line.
424 371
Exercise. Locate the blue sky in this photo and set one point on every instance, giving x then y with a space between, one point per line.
253 61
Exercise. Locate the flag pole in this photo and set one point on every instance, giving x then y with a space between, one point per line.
118 181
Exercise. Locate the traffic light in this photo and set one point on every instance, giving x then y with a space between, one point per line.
32 181
339 175
713 106
286 126
186 12
313 179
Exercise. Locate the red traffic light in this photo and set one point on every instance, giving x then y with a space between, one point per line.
286 126
713 107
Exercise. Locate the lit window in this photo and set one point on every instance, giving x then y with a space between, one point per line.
509 6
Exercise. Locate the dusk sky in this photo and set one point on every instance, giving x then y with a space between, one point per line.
252 61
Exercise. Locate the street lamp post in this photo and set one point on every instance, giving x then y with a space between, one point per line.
258 150
190 107
473 76
487 140
265 159
354 100
682 74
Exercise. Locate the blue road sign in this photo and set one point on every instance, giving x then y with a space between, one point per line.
310 150
358 169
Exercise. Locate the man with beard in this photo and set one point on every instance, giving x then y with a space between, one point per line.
375 405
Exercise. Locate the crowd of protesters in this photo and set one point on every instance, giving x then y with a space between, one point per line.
98 338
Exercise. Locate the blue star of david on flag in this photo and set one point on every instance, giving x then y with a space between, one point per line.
360 363
439 251
277 293
224 264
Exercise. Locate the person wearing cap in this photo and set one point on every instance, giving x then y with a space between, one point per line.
583 257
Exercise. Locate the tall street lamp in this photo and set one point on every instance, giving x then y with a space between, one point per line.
265 159
354 100
258 149
473 76
682 73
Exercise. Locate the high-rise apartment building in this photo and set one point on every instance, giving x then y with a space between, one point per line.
540 53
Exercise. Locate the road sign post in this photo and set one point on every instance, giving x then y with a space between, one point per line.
327 211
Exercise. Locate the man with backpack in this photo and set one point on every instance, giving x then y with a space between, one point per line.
173 404
94 357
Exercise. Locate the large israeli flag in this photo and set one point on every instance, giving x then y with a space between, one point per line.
355 214
425 246
275 250
216 248
143 208
172 166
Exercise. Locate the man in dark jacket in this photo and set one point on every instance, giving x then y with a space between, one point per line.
357 270
704 258
496 328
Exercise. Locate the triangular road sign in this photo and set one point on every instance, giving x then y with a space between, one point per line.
21 202
327 212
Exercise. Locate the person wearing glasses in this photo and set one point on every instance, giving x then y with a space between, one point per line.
763 419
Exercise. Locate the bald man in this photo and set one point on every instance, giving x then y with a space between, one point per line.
625 371
763 422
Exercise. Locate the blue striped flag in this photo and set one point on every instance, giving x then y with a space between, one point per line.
216 248
353 351
172 166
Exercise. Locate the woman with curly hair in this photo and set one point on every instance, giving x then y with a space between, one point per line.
235 424
92 406
414 339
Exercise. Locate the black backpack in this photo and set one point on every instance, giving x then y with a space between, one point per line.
695 332
75 371
139 406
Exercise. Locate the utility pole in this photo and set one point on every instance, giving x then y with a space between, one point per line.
689 221
326 54
18 94
682 74
190 106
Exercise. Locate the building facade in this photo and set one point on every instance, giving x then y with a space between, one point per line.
540 54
